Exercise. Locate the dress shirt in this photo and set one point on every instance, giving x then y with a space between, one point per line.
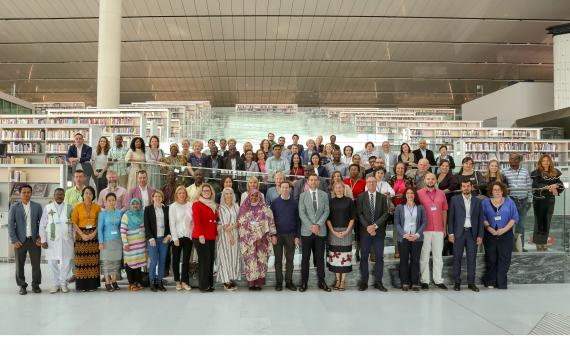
423 153
79 149
467 202
159 221
410 218
234 162
316 196
28 215
144 196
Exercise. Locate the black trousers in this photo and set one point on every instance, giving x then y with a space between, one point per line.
287 242
101 182
35 252
498 252
410 261
182 252
316 245
134 275
543 210
465 241
206 258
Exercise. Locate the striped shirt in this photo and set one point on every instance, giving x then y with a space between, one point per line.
518 179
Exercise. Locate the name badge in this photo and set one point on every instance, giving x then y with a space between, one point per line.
498 218
114 233
176 171
162 227
89 227
253 222
433 208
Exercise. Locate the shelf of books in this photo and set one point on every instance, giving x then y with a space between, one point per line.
44 179
42 143
482 151
267 108
42 107
437 113
128 124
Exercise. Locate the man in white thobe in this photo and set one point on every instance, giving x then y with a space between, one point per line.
57 239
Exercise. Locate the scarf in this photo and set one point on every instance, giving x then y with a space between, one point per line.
256 209
223 202
135 217
209 202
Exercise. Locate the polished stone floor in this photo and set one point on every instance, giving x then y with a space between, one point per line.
515 311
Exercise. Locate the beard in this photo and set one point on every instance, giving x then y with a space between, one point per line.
430 185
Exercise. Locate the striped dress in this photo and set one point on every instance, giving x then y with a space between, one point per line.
227 255
135 238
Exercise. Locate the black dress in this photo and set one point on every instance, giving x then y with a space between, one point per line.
339 258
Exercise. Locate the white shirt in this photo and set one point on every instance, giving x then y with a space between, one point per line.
28 215
180 220
159 221
373 197
144 196
79 149
384 187
316 192
467 202
233 161
423 153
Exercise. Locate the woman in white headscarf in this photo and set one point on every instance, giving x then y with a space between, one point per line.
227 244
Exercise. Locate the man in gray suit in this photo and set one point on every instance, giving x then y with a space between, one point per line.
372 211
23 229
314 212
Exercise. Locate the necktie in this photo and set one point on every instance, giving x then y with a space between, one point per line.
315 201
372 210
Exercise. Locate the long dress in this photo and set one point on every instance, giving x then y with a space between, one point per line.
255 230
139 157
154 178
87 269
134 236
339 258
227 257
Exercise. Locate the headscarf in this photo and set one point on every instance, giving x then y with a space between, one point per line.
256 209
208 202
223 202
135 217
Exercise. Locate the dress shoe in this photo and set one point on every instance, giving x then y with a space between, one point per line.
54 290
161 287
323 285
362 286
416 288
36 290
303 288
252 288
64 289
441 286
211 289
380 287
473 287
291 287
23 291
154 288
405 288
425 286
278 287
457 287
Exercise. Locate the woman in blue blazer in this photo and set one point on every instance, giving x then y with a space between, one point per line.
409 223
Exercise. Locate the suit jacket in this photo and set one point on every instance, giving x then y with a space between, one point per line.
84 158
213 174
228 163
150 227
226 154
429 156
299 187
136 193
17 221
400 221
456 217
309 216
381 212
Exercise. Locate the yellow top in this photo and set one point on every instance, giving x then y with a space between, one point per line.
81 218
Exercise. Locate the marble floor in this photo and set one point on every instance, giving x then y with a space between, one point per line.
515 311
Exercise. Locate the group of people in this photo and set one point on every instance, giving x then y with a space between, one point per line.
152 210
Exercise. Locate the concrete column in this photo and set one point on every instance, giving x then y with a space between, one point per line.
561 58
109 54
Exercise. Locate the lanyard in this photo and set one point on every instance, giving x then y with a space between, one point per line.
430 197
411 211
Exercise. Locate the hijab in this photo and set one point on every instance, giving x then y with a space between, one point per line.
135 217
257 208
223 202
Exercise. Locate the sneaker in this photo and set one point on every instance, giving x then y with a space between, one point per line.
178 286
229 287
54 290
186 287
64 289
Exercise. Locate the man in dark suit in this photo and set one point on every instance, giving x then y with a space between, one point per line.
214 161
79 157
465 228
372 210
233 160
423 152
23 228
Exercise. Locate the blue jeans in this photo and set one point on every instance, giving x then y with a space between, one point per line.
522 208
157 257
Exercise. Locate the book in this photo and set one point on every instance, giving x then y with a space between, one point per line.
39 190
16 189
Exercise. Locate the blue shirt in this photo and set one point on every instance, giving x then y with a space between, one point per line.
109 225
286 216
499 219
271 195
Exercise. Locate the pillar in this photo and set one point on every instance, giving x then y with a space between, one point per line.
109 54
561 58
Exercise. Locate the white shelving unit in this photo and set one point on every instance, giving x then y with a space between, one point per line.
267 108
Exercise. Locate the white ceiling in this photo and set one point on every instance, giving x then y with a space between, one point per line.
310 52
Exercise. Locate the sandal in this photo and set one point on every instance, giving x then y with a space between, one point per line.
341 286
115 286
109 288
336 284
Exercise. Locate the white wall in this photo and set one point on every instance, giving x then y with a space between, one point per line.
511 103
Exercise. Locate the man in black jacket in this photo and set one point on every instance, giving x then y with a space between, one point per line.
214 161
423 152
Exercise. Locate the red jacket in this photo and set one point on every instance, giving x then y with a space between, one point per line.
204 221
357 188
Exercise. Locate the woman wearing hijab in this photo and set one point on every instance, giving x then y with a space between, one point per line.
227 245
205 215
134 244
256 226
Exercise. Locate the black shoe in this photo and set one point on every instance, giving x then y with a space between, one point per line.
161 287
207 290
323 286
303 288
473 287
362 286
154 287
211 289
441 286
115 286
36 290
457 287
291 287
524 250
109 288
425 286
380 287
416 288
278 287
23 291
252 288
405 288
